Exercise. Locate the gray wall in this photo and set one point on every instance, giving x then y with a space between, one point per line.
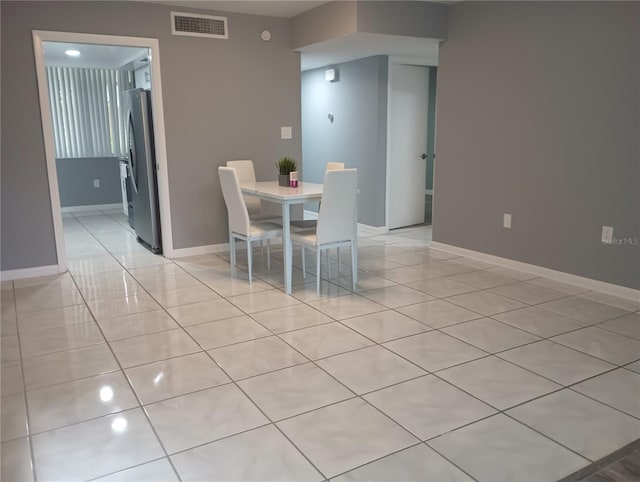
75 181
339 19
538 116
412 19
223 99
357 135
327 21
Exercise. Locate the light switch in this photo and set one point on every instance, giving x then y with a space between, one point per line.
607 235
285 133
96 183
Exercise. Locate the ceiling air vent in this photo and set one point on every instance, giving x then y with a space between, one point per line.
196 25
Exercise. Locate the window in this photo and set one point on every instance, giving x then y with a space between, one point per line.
88 110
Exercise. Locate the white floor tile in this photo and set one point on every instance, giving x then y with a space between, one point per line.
176 376
602 344
415 464
94 448
292 391
497 382
556 362
619 388
344 436
255 357
263 454
490 335
370 369
197 418
584 425
385 326
500 448
325 340
434 350
428 406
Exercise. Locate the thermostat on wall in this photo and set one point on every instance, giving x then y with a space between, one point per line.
265 35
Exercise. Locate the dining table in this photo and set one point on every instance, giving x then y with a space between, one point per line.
285 196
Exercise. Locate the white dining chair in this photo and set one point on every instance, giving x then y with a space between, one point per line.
247 175
240 225
336 221
305 224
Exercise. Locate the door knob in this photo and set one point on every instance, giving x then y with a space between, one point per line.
423 156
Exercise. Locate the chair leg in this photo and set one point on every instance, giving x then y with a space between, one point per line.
304 266
354 266
249 258
268 254
232 249
318 271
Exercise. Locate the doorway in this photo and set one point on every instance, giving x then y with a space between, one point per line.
152 46
407 128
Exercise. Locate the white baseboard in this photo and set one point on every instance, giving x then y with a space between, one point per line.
365 228
29 272
580 281
90 207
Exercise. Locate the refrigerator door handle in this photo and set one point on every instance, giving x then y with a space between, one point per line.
131 159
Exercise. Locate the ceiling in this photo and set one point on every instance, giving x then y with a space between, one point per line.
94 56
269 8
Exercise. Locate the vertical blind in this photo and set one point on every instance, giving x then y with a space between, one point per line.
88 109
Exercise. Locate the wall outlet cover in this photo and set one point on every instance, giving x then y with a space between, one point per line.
507 221
96 183
285 133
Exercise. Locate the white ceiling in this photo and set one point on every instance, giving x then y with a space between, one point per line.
92 56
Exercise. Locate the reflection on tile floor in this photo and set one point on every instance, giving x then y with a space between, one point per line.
135 367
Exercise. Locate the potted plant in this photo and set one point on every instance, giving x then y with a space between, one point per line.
285 166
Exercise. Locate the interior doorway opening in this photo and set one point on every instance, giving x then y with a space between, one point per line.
151 48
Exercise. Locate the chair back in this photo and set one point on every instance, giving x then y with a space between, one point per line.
338 207
247 175
245 170
237 209
334 166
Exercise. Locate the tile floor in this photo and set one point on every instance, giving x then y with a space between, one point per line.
134 367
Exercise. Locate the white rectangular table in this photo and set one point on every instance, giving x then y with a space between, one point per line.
286 196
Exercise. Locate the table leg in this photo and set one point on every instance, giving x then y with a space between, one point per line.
286 237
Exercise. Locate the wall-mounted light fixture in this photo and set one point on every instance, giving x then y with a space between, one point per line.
331 75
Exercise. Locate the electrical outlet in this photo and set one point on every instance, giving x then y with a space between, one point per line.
285 133
607 234
507 221
96 183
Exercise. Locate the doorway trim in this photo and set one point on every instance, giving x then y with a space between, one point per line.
40 36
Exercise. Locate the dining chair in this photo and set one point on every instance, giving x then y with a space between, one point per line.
241 226
336 221
247 175
305 224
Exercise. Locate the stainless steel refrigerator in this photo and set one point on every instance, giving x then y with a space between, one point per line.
141 162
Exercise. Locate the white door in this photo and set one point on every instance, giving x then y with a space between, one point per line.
406 144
